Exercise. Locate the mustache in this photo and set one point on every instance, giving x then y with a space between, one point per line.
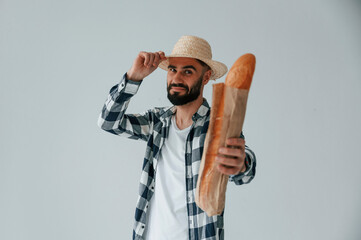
178 85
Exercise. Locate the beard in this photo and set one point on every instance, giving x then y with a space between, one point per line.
188 97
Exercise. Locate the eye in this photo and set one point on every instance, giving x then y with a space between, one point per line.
188 72
171 70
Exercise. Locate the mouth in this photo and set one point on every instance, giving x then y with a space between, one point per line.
178 89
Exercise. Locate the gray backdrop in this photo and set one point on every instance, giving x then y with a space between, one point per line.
62 178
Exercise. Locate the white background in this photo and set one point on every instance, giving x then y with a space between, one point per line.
62 178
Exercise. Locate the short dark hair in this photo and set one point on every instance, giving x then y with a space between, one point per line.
204 65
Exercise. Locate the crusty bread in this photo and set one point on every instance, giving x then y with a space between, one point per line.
241 73
208 174
211 185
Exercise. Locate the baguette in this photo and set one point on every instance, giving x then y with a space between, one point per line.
229 101
241 73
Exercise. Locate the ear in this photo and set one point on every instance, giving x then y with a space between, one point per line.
207 76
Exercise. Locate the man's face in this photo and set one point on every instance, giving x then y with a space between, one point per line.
185 80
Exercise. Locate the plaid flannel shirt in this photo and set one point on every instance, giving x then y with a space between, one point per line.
152 127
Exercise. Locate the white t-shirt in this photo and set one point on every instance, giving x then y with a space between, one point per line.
167 214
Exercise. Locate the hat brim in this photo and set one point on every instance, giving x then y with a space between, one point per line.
218 68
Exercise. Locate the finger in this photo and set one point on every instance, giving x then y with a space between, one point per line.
162 55
236 142
156 59
230 162
151 60
145 55
234 152
227 170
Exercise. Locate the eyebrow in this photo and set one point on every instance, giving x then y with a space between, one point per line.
185 67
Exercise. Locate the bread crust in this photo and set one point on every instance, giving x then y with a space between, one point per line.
241 73
226 120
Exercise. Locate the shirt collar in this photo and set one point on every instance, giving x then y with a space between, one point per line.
202 111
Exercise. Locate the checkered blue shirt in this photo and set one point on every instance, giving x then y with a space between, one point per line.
152 126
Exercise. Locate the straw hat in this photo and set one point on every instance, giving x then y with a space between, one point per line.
195 47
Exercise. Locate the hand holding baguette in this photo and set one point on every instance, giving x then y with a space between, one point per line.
227 116
231 159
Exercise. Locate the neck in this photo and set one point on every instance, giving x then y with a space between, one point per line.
185 112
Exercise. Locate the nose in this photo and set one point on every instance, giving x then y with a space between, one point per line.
175 78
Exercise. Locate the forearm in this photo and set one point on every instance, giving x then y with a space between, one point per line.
113 118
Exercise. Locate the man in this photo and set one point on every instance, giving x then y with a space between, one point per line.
175 137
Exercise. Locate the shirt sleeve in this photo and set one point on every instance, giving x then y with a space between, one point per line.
113 118
249 174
